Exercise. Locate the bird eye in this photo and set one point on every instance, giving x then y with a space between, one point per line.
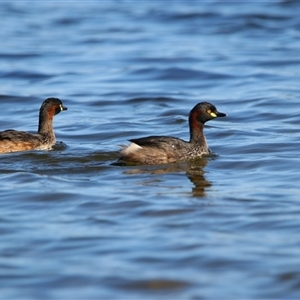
211 113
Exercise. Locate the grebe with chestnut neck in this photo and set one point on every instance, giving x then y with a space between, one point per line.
44 139
154 150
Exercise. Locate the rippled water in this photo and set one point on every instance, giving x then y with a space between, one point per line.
74 226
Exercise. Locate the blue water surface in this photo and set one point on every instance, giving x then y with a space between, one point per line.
75 226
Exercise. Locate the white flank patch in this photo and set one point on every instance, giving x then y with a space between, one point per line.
131 148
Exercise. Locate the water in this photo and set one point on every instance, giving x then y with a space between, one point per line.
74 226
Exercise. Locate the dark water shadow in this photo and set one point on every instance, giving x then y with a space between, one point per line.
194 171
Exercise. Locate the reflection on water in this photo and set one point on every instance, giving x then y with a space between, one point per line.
193 170
195 173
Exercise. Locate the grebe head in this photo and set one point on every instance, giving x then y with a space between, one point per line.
203 112
53 106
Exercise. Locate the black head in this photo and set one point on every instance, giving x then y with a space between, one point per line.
204 111
52 106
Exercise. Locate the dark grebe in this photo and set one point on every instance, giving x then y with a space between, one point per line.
154 150
44 139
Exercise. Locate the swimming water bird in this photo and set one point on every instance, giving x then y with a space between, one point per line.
44 139
154 150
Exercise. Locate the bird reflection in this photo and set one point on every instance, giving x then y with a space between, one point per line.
195 174
193 170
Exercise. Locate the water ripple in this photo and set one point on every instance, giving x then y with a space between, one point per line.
75 225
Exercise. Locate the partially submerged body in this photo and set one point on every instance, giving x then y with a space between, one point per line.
164 149
160 150
44 139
